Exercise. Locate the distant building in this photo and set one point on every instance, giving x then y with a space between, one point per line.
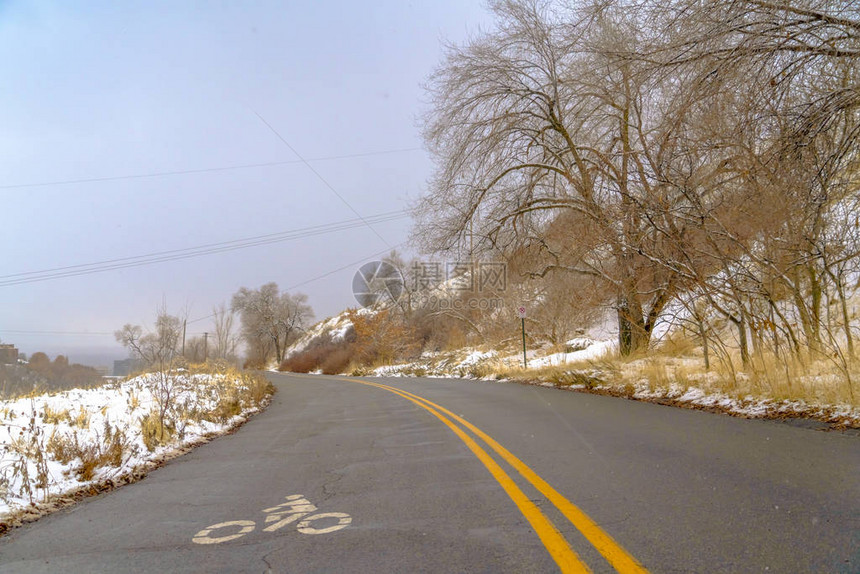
8 354
125 367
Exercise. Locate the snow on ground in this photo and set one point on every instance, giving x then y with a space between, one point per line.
748 406
40 435
334 329
586 357
699 389
591 352
476 357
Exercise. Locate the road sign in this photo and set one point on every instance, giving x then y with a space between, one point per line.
521 312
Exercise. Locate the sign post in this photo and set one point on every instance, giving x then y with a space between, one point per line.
521 313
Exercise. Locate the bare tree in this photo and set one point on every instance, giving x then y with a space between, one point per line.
226 339
773 46
782 80
549 115
195 351
704 152
159 350
270 321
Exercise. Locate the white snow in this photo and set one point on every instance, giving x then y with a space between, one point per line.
85 417
476 357
594 351
334 329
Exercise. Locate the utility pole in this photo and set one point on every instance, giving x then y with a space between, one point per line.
525 361
205 347
184 325
521 313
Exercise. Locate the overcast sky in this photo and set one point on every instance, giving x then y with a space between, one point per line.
108 91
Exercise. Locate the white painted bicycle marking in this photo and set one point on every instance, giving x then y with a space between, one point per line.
296 508
202 537
344 520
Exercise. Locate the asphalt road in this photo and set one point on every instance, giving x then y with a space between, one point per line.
342 476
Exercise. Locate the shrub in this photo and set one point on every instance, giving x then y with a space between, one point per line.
229 405
258 387
303 362
330 357
337 361
153 432
107 451
81 419
51 416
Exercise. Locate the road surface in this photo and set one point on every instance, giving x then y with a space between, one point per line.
433 475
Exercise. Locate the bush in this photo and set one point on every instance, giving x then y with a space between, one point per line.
337 361
330 357
153 433
303 362
109 451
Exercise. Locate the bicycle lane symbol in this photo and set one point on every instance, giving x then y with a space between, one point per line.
296 509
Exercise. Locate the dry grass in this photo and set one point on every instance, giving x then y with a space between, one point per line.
133 401
676 365
107 451
820 381
81 419
28 447
153 432
677 345
27 455
51 416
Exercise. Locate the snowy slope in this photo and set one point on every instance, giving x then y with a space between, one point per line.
44 439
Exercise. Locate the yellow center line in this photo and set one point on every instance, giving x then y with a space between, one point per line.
615 554
558 547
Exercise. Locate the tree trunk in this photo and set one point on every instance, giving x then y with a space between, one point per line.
703 335
632 334
742 339
846 318
808 316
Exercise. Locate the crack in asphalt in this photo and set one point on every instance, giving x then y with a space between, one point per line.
340 473
265 559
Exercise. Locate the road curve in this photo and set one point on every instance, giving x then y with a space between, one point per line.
435 475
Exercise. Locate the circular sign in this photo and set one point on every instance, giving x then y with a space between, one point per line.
521 312
377 284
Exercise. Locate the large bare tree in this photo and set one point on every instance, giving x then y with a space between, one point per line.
551 114
270 320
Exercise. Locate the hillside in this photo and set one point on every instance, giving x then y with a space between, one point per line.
673 373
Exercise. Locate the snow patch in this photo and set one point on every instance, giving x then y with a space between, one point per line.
593 352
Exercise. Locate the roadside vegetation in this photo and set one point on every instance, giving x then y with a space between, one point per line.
678 176
57 446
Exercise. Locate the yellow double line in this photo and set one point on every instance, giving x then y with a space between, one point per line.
566 558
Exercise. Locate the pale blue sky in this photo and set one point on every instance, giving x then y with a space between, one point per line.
103 89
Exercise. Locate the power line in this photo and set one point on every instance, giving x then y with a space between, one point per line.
191 252
202 170
321 178
290 288
324 228
347 266
318 277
